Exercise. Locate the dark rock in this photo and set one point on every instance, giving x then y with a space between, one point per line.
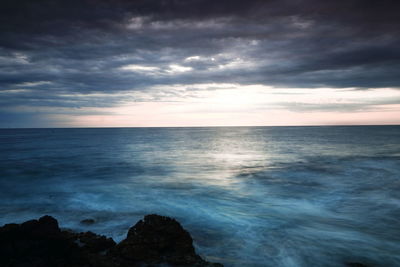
157 239
94 243
41 243
88 221
37 243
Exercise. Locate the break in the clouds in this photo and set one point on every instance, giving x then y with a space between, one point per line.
93 62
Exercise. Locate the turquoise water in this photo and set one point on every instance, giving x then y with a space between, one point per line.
249 196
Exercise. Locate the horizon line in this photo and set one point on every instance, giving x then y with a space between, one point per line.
213 126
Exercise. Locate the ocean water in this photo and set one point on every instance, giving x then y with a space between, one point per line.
249 196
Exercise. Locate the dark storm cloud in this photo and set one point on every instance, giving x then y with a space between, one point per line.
58 51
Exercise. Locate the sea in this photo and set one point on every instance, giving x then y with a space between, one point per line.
249 196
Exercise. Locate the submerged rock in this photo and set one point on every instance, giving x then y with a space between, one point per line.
88 221
355 264
152 241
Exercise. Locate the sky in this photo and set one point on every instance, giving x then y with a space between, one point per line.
103 63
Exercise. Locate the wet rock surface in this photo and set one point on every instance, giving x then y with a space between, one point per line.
155 240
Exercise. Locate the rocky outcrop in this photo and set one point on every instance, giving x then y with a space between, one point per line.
37 243
155 240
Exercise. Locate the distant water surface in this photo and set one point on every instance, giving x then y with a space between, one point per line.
250 196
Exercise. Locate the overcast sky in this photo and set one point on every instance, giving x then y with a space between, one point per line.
92 63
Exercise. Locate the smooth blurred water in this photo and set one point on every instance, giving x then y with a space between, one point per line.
249 196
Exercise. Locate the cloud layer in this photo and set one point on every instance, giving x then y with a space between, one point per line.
68 54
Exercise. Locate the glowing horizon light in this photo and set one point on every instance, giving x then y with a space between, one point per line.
217 104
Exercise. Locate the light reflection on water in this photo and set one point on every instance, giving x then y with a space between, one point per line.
273 196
